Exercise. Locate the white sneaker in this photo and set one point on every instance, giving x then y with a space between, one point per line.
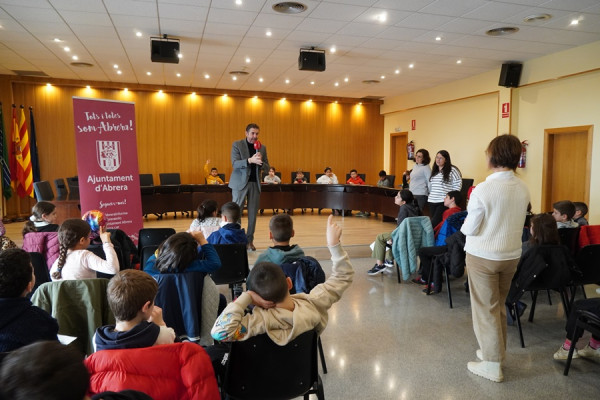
487 369
562 354
479 354
588 352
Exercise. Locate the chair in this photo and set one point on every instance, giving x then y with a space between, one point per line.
189 304
153 236
73 183
222 176
40 269
79 306
570 237
589 234
306 176
234 265
171 178
98 250
412 234
254 369
147 252
588 262
392 179
541 268
146 180
43 191
464 190
362 176
62 193
586 321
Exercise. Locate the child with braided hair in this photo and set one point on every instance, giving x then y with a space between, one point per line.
74 261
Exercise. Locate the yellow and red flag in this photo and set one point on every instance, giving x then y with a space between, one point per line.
22 176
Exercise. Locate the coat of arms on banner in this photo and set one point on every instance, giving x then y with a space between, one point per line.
109 154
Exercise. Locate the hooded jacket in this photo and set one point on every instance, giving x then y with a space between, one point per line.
279 256
22 323
229 234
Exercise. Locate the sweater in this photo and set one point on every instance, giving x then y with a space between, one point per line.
207 226
83 264
22 323
496 212
282 325
231 233
272 179
419 180
144 334
438 188
211 180
324 179
281 254
355 181
211 262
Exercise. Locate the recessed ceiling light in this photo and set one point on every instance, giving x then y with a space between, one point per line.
178 75
269 33
505 30
438 38
238 2
234 78
381 17
382 76
148 73
261 80
116 66
287 81
537 17
57 40
289 7
67 49
336 84
397 71
459 61
346 79
411 65
206 76
119 72
332 49
75 58
138 34
574 22
312 82
248 60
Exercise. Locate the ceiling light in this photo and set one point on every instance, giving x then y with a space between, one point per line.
206 76
238 2
506 30
332 49
247 60
57 40
382 76
397 71
459 61
148 73
269 33
260 80
312 82
287 81
346 79
234 78
537 17
336 84
67 49
574 22
381 17
178 75
438 38
75 58
411 65
138 34
119 72
116 66
289 7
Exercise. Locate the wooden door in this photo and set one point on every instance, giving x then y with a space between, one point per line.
398 142
567 165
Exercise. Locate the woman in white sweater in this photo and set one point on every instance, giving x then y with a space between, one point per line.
493 229
418 178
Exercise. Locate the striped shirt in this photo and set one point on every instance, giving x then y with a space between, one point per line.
438 188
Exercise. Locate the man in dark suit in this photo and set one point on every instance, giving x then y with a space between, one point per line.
245 179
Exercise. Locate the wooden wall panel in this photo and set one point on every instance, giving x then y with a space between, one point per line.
178 132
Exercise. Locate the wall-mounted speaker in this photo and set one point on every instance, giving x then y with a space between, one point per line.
311 60
510 74
164 50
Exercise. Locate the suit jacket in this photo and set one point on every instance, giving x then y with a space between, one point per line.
241 168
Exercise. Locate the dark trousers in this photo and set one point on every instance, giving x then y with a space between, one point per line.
426 255
591 305
436 213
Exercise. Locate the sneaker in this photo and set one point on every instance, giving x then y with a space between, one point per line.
388 263
377 269
419 281
431 290
588 352
563 354
487 369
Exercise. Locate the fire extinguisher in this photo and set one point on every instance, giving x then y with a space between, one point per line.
410 150
523 159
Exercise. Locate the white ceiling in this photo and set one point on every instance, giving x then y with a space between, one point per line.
218 35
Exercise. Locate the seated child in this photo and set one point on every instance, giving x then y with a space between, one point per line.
231 231
139 323
271 178
450 202
408 208
354 179
328 178
5 242
181 253
281 230
277 313
207 220
74 261
384 180
21 323
212 177
563 214
592 349
581 209
43 218
300 177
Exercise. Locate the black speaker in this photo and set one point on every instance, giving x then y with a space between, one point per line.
311 60
164 51
510 75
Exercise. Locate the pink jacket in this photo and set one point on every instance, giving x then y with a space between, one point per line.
43 242
172 371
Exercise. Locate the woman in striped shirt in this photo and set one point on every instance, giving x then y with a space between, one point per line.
445 178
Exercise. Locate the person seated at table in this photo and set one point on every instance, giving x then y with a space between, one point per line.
271 178
300 177
231 231
581 209
354 179
328 178
408 208
212 177
563 212
384 180
281 230
43 218
207 220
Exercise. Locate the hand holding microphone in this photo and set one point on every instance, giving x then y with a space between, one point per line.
257 157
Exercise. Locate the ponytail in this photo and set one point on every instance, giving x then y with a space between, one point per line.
62 258
29 227
206 209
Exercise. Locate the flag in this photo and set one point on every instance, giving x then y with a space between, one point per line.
35 163
23 178
15 148
6 189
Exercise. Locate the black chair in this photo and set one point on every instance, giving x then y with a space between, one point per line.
171 178
306 176
234 265
43 191
570 237
147 252
362 176
99 251
222 176
586 321
40 270
392 179
255 371
588 262
277 173
153 236
73 183
146 180
62 193
464 190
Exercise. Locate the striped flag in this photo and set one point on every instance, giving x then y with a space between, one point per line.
15 148
6 189
35 163
24 176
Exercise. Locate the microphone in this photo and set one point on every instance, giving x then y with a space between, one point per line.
257 145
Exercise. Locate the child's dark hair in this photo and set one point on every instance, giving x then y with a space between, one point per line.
281 227
37 211
382 174
425 154
326 169
128 291
446 169
581 206
545 230
44 370
176 253
268 281
206 209
565 207
353 170
69 234
214 169
407 196
232 211
15 272
457 196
